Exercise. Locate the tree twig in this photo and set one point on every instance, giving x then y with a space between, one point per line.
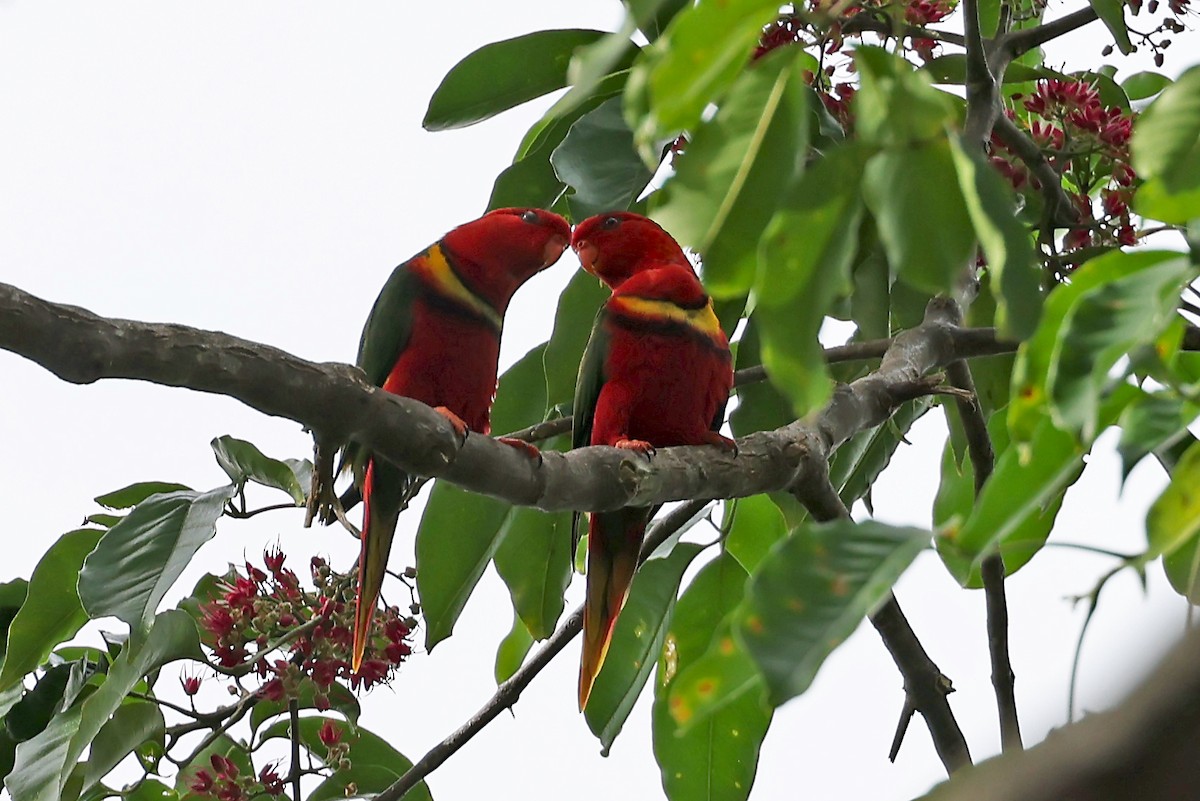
1017 43
294 736
983 460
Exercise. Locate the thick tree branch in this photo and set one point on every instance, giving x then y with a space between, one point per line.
1060 213
925 687
983 460
1145 748
332 399
509 691
1018 43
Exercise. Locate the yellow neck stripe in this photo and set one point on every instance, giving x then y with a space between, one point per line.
703 320
446 282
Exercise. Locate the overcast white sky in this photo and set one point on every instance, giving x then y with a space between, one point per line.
259 169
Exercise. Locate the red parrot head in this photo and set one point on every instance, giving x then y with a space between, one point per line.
505 248
618 244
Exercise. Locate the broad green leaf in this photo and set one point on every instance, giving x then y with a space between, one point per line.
45 763
12 596
761 406
1036 356
340 699
1156 200
692 64
757 526
374 764
138 559
598 161
955 502
1112 13
134 723
1103 326
813 590
242 461
652 16
546 134
715 758
534 560
501 75
52 612
460 531
1173 522
728 182
853 472
528 182
511 653
1027 480
577 307
952 69
1154 421
1167 130
603 63
1142 85
637 642
29 716
897 105
1014 276
871 298
913 191
151 790
804 259
131 496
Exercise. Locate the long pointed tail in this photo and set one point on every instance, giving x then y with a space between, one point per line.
614 539
383 493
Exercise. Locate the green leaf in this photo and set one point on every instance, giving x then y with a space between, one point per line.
897 105
501 75
577 307
151 790
805 256
134 723
854 469
652 16
340 699
12 596
692 64
374 764
598 161
1173 522
1014 275
813 590
1142 85
52 612
534 560
131 496
1168 129
1036 356
760 406
1100 328
728 182
637 642
1112 13
757 526
952 69
914 191
1174 197
604 63
715 758
242 461
29 716
45 762
510 655
1153 422
138 559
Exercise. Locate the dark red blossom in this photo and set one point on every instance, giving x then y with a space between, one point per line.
202 782
191 684
330 733
270 779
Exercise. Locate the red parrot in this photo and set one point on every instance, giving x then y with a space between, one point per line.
434 335
657 372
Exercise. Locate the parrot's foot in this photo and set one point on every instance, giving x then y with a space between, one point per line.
321 497
460 428
528 448
721 441
638 445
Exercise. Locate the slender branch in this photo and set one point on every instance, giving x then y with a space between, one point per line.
1017 43
239 514
508 692
1060 213
983 460
294 736
925 687
333 400
885 26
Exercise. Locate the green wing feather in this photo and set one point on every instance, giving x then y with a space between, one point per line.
587 393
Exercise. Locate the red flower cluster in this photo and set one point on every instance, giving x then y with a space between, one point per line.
780 33
259 609
1087 144
225 783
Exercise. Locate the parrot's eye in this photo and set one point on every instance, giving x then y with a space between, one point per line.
610 223
530 216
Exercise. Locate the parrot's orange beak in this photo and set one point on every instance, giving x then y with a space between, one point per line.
587 255
554 249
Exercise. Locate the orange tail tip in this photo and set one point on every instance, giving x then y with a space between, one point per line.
614 539
379 526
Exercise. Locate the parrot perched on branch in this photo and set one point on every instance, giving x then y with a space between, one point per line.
656 373
434 335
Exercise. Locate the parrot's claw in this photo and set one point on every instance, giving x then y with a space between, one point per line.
460 428
638 445
720 441
528 448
